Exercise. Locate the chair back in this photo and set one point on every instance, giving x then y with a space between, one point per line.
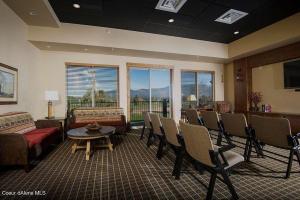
272 131
146 119
171 130
192 116
156 124
197 142
235 124
211 120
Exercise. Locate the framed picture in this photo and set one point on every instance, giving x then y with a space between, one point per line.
8 84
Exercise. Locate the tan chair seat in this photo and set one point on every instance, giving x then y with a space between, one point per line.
232 157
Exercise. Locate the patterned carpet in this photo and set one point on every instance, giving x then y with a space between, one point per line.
132 171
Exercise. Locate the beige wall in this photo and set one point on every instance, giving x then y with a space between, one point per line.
269 80
50 75
278 34
17 52
229 84
124 39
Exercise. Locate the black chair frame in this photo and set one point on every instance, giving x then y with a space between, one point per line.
219 168
294 150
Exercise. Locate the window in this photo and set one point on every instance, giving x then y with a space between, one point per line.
150 90
197 89
92 86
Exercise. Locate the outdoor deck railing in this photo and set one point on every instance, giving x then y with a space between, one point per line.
137 108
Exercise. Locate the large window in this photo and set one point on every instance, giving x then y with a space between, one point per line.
197 89
150 90
92 86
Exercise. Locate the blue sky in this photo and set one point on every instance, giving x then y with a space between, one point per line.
139 78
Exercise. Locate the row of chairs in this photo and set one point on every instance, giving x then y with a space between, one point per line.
194 138
215 159
260 131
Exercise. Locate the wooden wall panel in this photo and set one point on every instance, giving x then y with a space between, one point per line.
243 71
240 85
280 54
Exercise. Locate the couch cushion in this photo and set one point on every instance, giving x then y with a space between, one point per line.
16 122
38 135
88 115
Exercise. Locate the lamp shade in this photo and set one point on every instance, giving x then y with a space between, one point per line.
51 96
192 97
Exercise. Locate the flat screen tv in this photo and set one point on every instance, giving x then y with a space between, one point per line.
292 74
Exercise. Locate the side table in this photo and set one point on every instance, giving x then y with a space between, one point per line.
62 121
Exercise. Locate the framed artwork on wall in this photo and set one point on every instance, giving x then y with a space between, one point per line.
8 85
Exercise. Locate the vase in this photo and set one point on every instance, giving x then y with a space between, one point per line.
256 109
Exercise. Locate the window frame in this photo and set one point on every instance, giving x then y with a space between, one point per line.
149 66
196 79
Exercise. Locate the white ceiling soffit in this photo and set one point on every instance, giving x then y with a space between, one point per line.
231 16
170 5
52 46
34 12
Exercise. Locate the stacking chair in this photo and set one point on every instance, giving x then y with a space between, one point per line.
212 121
236 125
276 132
199 146
193 117
157 133
146 125
172 135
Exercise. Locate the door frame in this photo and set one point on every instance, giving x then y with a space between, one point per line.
150 66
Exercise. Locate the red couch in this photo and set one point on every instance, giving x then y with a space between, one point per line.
22 139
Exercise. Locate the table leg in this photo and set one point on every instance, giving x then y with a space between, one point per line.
88 150
110 145
74 147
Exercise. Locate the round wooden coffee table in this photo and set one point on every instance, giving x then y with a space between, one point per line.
82 135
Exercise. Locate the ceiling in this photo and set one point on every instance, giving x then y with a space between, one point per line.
194 20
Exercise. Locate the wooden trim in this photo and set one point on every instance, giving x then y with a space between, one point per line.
142 65
8 67
89 65
280 54
17 85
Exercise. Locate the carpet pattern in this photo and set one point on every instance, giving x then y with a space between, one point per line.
132 171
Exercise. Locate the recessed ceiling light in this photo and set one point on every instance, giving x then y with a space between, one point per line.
171 20
76 5
32 13
236 32
48 46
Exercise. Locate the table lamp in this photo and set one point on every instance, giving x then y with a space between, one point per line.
51 96
190 98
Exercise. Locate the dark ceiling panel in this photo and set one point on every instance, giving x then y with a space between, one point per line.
195 19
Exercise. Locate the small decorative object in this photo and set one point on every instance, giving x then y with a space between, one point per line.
93 127
51 96
255 98
8 84
263 108
268 108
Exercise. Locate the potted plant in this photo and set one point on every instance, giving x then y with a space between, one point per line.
255 98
